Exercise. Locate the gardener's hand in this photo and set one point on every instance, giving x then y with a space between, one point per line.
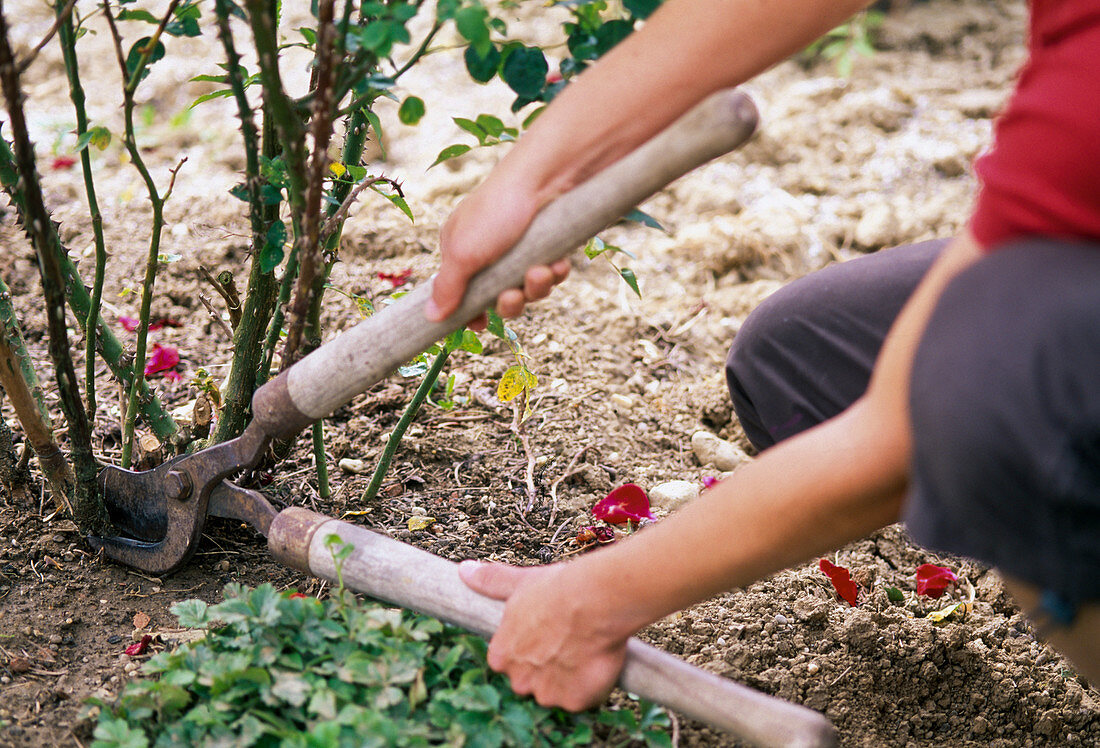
483 227
553 642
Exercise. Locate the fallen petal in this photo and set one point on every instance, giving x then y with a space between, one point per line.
139 647
842 581
933 580
129 324
163 358
627 503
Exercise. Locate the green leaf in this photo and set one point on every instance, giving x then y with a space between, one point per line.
482 67
212 95
376 127
595 248
272 253
126 14
133 57
524 70
491 125
100 137
631 280
116 733
450 152
641 8
643 218
471 22
894 595
473 128
308 34
411 111
397 200
192 614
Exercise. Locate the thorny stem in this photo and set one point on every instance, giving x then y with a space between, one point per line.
76 93
323 488
403 423
277 104
108 346
309 252
156 201
89 511
248 368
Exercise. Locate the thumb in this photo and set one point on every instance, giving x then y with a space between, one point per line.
497 581
448 287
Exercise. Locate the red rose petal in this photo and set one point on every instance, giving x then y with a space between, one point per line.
139 647
163 358
841 579
933 580
397 279
62 162
627 503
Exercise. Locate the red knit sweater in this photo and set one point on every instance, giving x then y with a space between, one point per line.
1042 174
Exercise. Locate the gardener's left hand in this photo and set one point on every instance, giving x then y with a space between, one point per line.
554 642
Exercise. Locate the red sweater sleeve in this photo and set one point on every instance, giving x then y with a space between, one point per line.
1041 175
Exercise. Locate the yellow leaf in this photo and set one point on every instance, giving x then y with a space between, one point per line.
420 523
361 513
337 168
939 616
513 383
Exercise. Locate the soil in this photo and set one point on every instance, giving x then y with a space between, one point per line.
841 166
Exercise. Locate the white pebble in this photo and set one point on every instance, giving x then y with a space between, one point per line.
710 450
351 465
673 494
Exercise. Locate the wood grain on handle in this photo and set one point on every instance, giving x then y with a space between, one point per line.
412 578
353 361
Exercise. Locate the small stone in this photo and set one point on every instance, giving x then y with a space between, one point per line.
130 667
19 665
673 494
222 566
351 465
55 638
781 619
877 227
812 668
621 401
710 450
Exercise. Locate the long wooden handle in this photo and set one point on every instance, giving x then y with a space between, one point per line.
353 361
401 574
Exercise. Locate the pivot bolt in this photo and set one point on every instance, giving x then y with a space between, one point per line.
177 485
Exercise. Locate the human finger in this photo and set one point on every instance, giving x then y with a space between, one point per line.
497 581
448 287
510 303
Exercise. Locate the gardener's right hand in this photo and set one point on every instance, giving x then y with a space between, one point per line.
484 226
556 641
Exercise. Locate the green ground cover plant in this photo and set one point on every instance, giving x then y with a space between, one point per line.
283 669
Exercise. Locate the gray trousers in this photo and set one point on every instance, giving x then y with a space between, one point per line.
1004 396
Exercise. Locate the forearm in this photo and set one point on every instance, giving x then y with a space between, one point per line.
805 496
814 492
685 51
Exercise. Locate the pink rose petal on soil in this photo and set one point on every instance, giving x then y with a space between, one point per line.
397 279
932 580
62 162
708 481
139 647
164 358
129 324
841 579
627 503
